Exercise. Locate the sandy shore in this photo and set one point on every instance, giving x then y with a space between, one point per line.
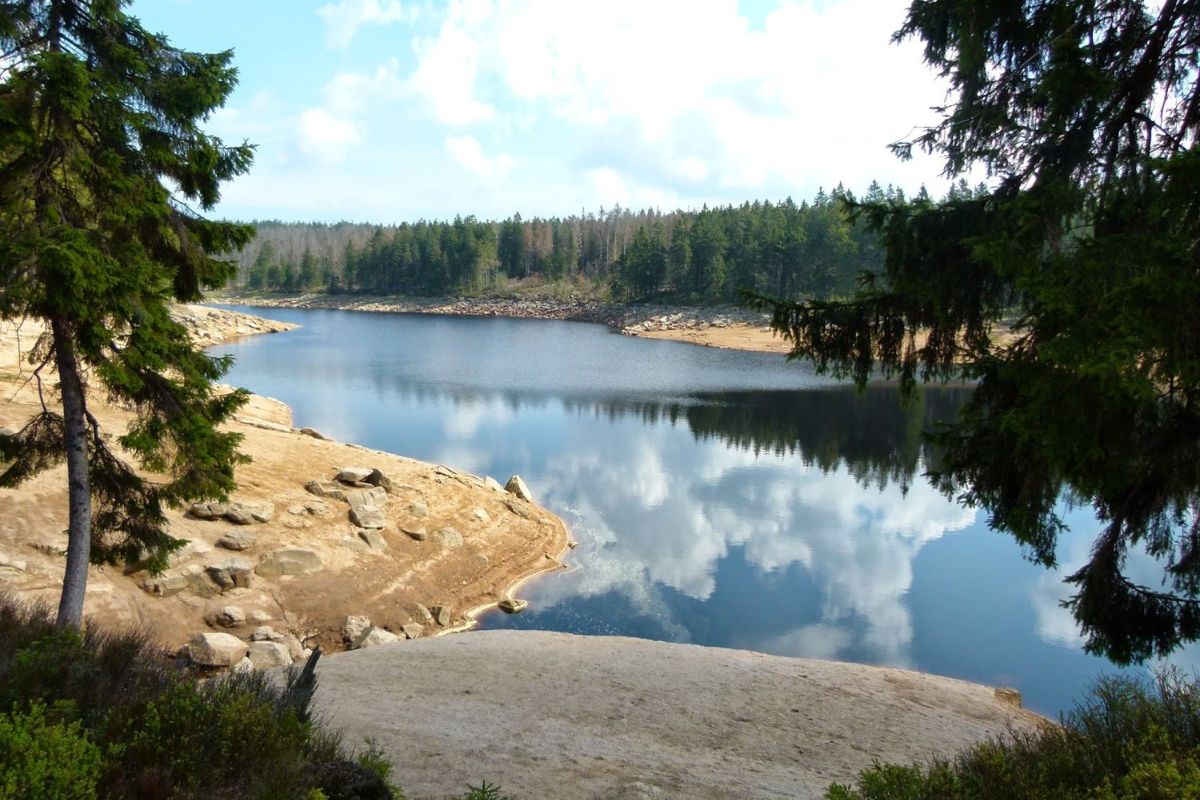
730 327
476 541
550 715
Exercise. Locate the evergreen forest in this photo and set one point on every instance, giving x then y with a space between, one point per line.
817 248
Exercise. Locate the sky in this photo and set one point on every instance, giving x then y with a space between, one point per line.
388 111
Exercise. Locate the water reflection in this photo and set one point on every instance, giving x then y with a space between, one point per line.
719 498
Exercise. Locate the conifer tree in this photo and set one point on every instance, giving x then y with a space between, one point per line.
97 117
1086 116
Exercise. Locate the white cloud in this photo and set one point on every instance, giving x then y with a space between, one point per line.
446 71
344 18
467 152
325 136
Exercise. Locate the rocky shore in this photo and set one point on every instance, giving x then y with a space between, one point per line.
716 326
323 543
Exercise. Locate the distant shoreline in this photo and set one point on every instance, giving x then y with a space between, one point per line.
729 327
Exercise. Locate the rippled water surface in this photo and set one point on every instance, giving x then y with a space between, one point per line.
719 497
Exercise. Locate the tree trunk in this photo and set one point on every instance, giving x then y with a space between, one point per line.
79 527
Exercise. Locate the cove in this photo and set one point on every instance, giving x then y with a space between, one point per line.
719 497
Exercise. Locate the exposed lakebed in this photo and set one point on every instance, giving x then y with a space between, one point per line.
719 497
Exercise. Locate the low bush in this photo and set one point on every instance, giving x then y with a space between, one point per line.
102 715
1129 739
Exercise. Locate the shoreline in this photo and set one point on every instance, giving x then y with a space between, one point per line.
726 327
482 543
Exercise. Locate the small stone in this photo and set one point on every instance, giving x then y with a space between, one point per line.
377 636
449 537
297 524
353 474
418 509
354 628
367 517
413 631
318 508
216 649
517 487
313 433
237 540
424 613
481 514
289 561
441 615
419 534
373 538
298 510
258 617
268 655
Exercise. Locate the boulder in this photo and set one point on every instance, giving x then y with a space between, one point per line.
318 508
520 508
420 534
288 561
237 540
372 497
193 578
413 630
493 484
264 633
354 628
441 615
216 649
326 489
481 514
353 474
229 617
373 538
232 573
247 513
258 617
294 646
268 655
377 636
369 517
449 537
511 605
424 613
377 478
243 666
313 433
208 510
418 509
517 486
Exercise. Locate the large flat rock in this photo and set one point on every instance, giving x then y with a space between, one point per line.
554 715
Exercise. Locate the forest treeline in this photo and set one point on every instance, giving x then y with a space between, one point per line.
814 249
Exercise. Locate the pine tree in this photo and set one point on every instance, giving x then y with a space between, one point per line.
1087 116
95 114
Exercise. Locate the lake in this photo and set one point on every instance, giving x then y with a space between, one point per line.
719 497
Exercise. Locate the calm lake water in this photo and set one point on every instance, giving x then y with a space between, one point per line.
718 497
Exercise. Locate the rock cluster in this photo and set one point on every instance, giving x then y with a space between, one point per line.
243 512
365 490
359 633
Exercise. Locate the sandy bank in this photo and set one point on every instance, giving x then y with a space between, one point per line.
730 327
449 540
550 715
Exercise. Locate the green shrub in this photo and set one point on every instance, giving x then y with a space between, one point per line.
148 730
484 791
1129 739
45 760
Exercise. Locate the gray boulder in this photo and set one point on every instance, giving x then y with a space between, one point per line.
216 649
377 636
441 615
353 474
368 517
247 512
288 561
237 540
517 486
232 573
420 534
229 617
208 510
354 628
268 655
373 538
377 478
326 489
418 509
493 484
371 497
413 630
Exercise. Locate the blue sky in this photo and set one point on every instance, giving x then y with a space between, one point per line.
392 110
